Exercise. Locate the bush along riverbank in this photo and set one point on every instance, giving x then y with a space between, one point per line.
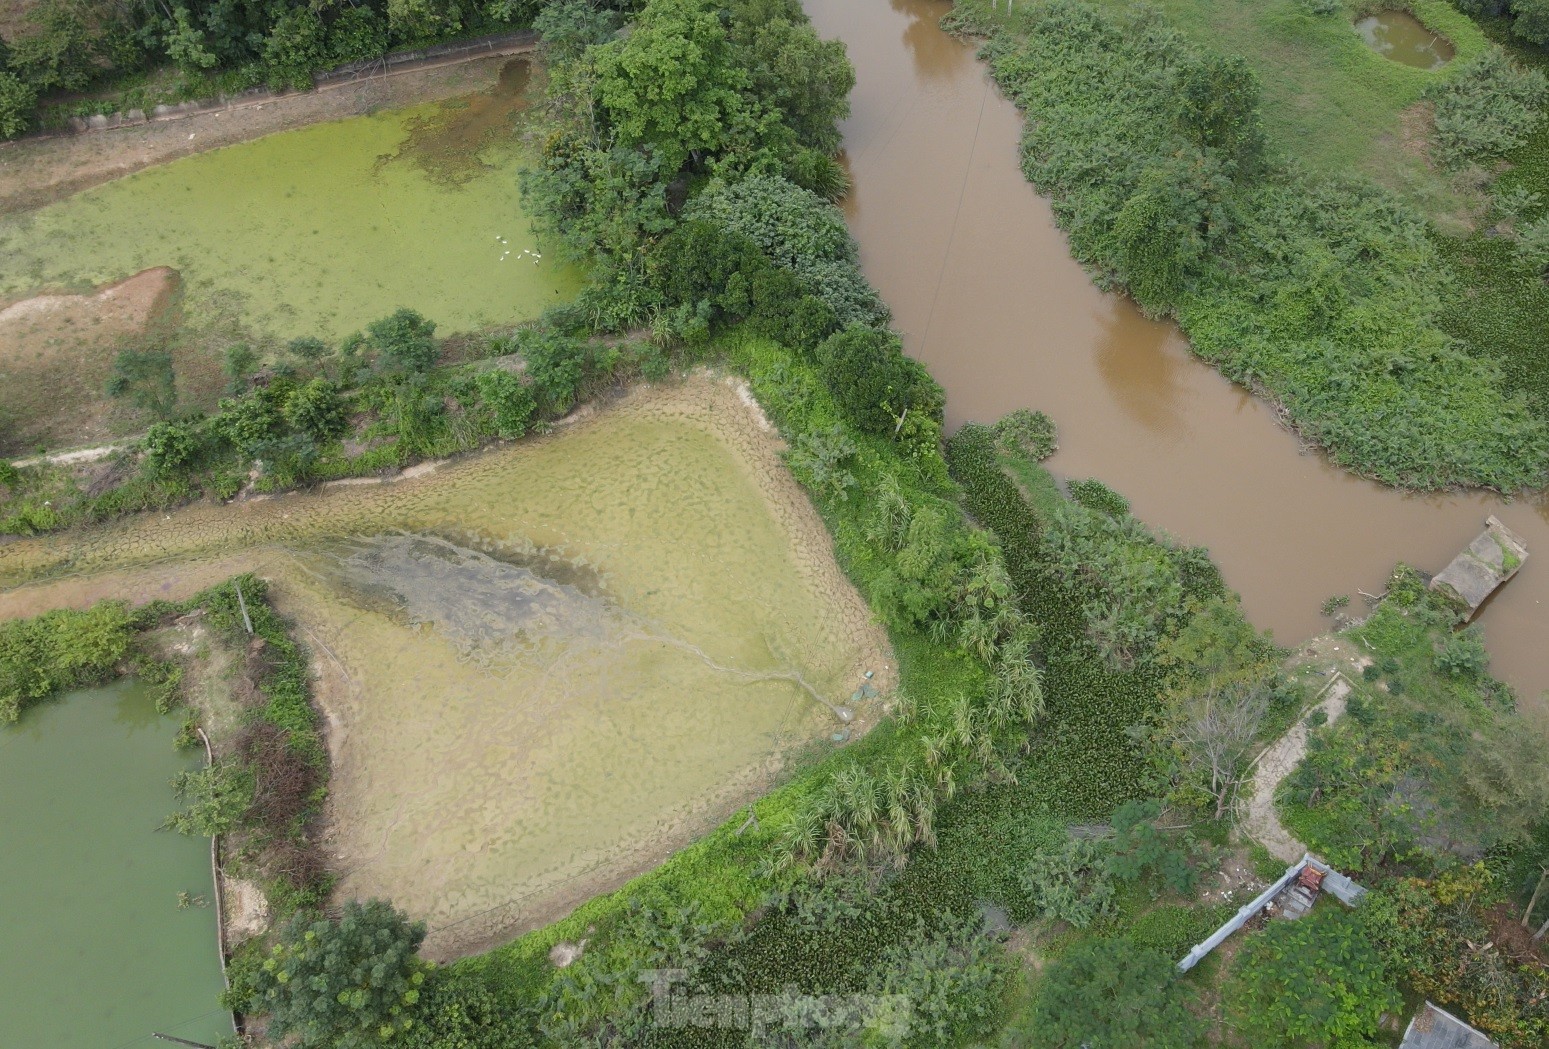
1323 293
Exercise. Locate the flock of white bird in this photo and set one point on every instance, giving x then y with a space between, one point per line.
536 255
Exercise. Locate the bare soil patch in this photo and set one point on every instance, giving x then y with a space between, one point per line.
13 16
37 171
56 352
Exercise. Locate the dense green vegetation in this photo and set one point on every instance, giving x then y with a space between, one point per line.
1430 770
1320 291
1316 981
59 651
1430 760
345 983
1439 933
117 51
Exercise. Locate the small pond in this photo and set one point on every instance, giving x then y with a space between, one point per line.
1401 37
95 949
319 230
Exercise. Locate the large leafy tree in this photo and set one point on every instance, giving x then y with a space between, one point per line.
345 984
872 379
806 78
673 83
1109 994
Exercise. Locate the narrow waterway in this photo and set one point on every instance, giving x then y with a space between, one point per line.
987 296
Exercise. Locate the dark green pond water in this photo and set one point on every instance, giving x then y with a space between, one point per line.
95 952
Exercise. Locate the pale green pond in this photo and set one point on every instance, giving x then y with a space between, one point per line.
95 952
320 230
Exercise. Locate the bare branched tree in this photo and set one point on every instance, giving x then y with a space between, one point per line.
1215 730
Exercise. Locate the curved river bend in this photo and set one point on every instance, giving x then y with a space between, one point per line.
987 296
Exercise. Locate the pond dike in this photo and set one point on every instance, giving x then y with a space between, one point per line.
351 72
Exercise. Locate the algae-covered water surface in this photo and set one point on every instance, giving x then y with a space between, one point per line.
95 950
320 230
542 668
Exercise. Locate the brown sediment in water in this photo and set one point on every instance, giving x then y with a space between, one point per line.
986 294
56 351
543 669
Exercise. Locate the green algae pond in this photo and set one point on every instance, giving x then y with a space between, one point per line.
319 230
95 950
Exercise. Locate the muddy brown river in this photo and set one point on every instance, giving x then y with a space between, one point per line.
987 296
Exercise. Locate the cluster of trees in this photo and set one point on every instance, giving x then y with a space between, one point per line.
1529 18
635 122
72 45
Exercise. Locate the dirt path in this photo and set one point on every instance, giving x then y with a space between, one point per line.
37 171
1259 820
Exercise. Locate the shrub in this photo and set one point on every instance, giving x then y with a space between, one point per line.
1463 655
60 650
346 983
1533 244
1138 848
170 448
404 342
1531 21
1026 432
1094 495
317 410
294 48
17 101
55 53
509 401
145 379
798 230
458 1010
1486 109
1317 981
950 976
556 364
1071 883
873 381
1109 992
